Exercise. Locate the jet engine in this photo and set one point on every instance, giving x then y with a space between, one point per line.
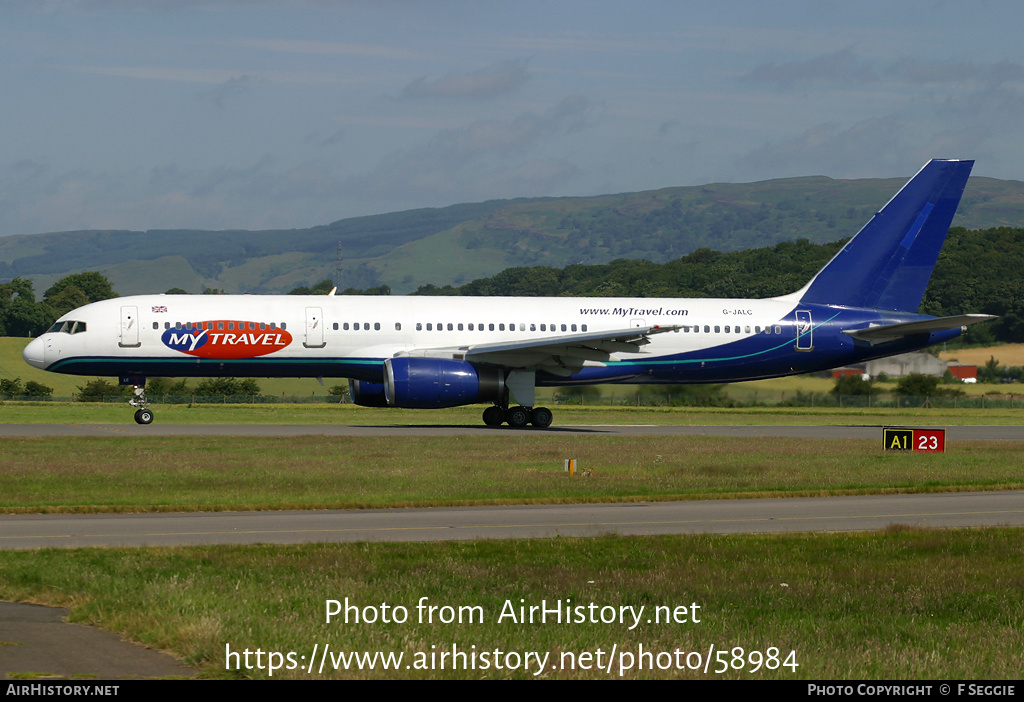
432 383
367 394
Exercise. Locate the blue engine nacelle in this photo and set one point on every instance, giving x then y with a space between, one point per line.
432 383
367 394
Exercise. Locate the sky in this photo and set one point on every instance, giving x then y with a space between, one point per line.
170 114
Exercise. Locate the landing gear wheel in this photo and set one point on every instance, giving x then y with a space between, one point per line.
143 416
517 417
541 417
494 416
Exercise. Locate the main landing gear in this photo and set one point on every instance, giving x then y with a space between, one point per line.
143 415
518 417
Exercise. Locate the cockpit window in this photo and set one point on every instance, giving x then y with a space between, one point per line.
68 326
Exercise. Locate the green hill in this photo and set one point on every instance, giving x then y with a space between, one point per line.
461 243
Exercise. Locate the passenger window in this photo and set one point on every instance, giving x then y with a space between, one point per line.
376 326
501 327
778 330
460 326
490 327
156 325
430 327
583 328
398 326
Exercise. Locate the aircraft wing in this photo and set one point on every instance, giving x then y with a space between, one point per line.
561 355
883 333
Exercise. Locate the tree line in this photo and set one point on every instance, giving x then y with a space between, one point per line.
22 315
977 271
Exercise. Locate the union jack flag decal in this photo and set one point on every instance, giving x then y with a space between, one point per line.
160 308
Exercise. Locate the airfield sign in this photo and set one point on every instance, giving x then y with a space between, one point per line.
904 439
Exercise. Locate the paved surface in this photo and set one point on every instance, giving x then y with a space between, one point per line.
527 521
36 640
873 432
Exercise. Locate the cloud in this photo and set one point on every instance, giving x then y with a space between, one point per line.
331 48
324 142
841 66
498 79
36 198
487 158
235 86
914 71
867 148
845 67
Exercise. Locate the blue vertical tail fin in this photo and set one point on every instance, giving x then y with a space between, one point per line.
888 263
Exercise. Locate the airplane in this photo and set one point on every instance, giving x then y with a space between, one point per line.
434 352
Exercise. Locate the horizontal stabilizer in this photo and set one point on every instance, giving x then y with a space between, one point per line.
891 332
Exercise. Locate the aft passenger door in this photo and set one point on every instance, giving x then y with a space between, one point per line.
129 327
804 331
314 328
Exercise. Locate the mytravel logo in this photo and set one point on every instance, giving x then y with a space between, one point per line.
226 339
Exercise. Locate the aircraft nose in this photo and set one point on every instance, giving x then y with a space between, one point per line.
34 353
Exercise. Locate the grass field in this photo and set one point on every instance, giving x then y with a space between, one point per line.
311 472
896 604
1006 354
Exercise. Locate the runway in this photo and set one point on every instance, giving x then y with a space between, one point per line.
1002 508
953 433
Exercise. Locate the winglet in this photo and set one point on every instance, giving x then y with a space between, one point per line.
888 263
